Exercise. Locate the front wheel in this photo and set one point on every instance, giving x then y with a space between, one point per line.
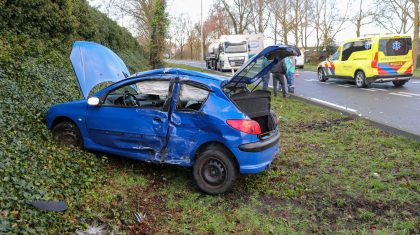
321 75
214 171
360 79
67 133
399 83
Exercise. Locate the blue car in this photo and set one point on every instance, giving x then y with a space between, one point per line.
216 125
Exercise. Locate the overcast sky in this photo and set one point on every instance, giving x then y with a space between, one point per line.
193 10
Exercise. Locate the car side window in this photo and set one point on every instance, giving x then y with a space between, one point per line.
347 50
335 56
144 94
191 98
352 47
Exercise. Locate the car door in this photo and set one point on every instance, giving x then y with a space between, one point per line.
187 122
133 129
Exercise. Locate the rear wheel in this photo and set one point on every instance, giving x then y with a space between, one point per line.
214 171
321 75
360 79
67 133
399 83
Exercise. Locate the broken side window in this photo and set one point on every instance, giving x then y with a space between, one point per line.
191 98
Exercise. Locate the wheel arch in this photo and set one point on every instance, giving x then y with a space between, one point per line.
357 70
206 145
59 119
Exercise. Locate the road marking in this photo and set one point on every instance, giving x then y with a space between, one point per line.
378 89
366 89
329 82
406 93
310 80
334 105
343 85
392 93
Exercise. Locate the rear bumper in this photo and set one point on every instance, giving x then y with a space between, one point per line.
261 145
390 78
257 157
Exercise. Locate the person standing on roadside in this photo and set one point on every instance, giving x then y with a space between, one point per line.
266 77
290 73
278 72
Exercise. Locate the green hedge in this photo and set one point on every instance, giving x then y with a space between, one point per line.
35 73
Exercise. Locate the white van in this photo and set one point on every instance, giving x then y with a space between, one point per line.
300 60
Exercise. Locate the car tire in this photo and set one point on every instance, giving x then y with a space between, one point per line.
321 75
399 83
360 79
67 133
214 170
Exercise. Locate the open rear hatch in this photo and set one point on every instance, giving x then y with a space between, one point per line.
257 104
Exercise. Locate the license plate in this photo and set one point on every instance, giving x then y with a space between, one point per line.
396 63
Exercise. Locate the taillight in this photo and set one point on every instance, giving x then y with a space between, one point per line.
375 61
244 125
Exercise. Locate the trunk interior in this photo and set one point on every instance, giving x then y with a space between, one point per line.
257 106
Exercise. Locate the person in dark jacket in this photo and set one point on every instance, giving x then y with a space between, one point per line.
323 56
266 77
278 72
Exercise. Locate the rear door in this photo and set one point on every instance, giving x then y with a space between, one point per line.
395 56
187 123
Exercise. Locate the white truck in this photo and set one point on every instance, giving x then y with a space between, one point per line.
230 52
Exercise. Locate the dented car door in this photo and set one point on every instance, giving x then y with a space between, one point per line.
139 130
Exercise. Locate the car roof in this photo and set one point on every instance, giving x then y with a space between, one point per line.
376 36
184 74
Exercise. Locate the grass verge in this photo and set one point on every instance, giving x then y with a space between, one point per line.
334 174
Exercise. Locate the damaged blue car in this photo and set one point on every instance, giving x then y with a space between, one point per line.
219 126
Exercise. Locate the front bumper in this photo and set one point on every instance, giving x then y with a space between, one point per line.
257 156
390 78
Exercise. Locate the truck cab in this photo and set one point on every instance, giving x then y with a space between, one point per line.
232 52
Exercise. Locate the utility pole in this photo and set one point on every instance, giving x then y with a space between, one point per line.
202 34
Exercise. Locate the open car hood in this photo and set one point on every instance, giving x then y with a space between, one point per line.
262 63
94 64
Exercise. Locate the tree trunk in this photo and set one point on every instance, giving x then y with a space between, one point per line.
359 20
297 18
284 22
416 32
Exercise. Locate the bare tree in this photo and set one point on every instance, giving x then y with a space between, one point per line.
305 19
333 21
181 26
362 18
260 15
240 12
317 21
416 31
395 15
282 22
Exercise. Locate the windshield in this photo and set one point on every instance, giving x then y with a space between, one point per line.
236 47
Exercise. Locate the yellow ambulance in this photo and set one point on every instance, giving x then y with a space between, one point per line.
379 58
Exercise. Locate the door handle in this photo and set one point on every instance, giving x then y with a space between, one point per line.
156 119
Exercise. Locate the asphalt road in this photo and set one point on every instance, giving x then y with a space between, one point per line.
384 103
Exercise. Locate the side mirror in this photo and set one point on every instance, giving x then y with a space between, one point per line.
93 101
